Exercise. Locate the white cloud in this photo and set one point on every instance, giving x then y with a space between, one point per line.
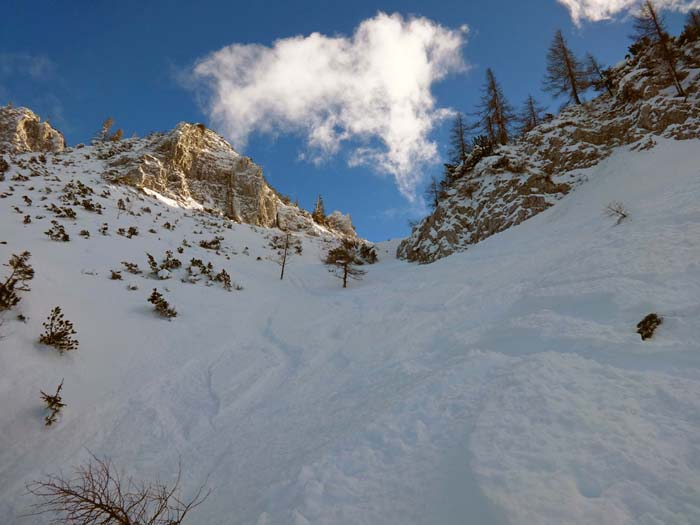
373 89
597 10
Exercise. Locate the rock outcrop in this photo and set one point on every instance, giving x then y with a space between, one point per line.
193 164
21 131
522 179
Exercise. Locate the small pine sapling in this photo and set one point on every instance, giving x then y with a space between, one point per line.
152 264
213 244
225 279
132 268
57 232
161 306
54 403
21 272
647 326
59 332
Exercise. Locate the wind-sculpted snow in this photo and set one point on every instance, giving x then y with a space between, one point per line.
501 385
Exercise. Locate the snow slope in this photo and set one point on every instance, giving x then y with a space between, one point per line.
501 385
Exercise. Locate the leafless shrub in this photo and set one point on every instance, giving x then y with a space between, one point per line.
97 494
54 404
616 210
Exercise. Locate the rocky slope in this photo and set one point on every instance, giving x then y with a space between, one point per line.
22 131
191 165
522 179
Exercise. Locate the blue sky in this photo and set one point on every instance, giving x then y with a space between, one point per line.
79 62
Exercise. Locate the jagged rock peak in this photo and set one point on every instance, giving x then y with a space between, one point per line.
519 180
22 131
193 164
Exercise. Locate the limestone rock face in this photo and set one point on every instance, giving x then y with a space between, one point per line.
21 131
524 178
193 164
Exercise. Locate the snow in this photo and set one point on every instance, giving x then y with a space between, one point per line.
505 384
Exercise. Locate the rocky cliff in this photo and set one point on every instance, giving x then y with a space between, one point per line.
22 131
194 164
522 179
191 165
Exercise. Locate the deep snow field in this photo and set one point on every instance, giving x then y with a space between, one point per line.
505 384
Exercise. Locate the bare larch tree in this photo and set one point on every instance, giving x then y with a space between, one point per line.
649 23
459 147
597 76
564 72
530 116
495 113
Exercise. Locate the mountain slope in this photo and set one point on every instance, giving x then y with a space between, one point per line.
520 180
505 384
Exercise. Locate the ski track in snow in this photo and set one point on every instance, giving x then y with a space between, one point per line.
502 385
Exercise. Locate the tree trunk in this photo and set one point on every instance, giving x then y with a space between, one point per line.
345 275
667 53
284 257
572 77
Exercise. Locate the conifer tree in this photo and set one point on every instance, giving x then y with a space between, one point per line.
58 332
597 76
54 403
495 113
319 213
161 305
21 272
691 31
530 116
433 192
345 258
650 24
459 149
103 134
564 72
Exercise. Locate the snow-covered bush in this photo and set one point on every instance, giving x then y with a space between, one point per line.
161 306
58 332
132 268
213 244
20 273
647 326
224 278
57 232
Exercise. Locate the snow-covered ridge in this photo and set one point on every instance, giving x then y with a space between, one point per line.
522 179
191 165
